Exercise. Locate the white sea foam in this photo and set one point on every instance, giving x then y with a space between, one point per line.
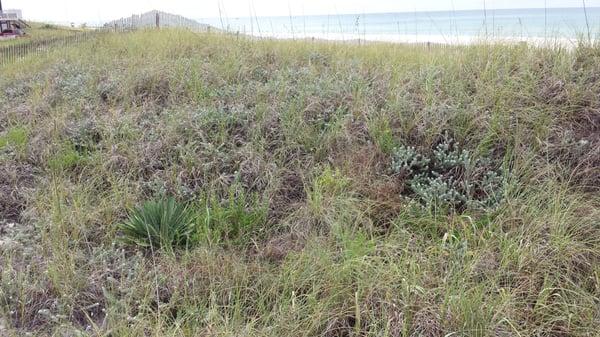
425 39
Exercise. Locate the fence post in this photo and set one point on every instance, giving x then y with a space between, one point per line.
157 20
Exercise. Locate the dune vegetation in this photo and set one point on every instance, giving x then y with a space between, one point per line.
169 183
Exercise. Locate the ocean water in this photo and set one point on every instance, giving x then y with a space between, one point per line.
564 24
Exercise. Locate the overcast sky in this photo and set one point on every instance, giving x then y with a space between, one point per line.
96 11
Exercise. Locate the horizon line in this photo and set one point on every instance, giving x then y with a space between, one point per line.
398 12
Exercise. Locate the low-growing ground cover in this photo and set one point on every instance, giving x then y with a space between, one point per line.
299 189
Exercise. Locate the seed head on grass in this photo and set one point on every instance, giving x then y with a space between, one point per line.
162 223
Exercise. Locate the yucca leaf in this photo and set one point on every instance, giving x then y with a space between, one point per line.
162 223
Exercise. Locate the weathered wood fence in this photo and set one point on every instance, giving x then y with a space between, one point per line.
15 52
155 19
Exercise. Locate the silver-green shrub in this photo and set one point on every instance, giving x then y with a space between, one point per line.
407 160
449 177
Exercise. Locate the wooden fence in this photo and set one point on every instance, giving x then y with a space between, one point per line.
155 19
16 52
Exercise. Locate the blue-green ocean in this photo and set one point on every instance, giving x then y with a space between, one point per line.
442 26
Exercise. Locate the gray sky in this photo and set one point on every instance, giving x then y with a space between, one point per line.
96 11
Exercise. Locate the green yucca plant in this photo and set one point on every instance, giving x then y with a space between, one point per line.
161 223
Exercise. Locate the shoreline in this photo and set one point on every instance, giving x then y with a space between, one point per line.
463 40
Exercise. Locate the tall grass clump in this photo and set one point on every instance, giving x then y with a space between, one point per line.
234 220
16 137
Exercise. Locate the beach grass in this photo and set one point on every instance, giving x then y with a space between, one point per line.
309 169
